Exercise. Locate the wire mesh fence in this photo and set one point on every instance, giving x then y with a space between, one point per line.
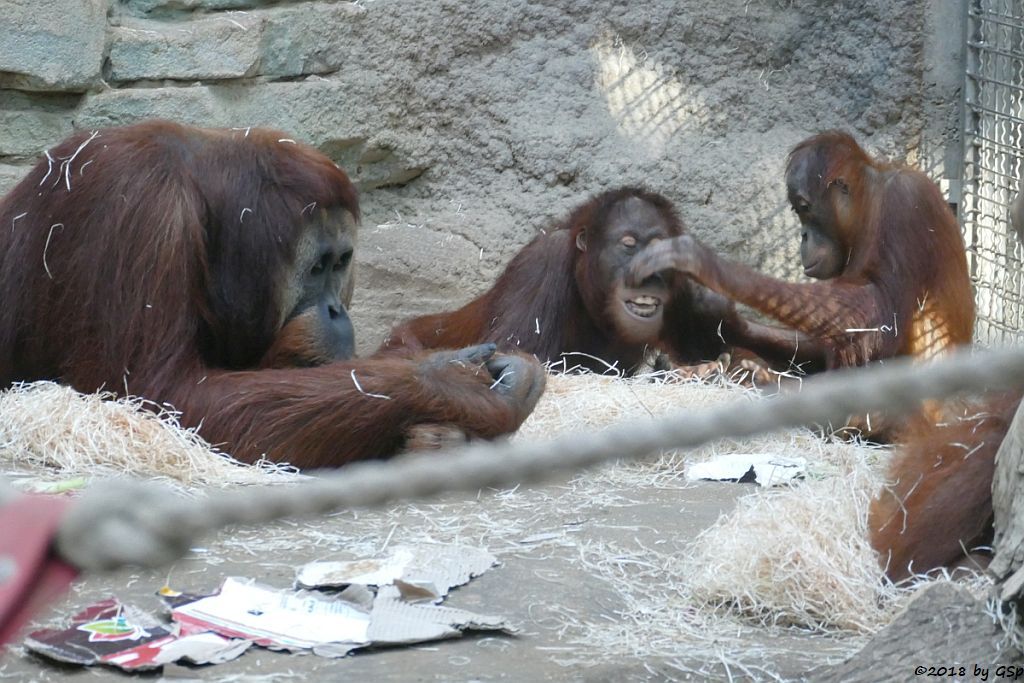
994 164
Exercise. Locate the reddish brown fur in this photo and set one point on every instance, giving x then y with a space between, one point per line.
297 344
142 278
904 253
905 250
938 506
940 499
893 282
552 286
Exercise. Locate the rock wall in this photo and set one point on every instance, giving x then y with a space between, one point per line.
471 125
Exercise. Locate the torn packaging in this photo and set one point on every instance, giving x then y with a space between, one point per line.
275 619
766 469
402 610
423 572
330 626
111 633
398 622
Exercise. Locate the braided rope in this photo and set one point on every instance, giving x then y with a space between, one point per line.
120 523
7 493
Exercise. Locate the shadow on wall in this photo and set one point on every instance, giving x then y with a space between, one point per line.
651 105
647 100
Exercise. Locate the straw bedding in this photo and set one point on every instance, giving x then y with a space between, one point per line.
792 556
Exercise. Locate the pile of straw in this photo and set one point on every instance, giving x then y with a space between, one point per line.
793 556
51 432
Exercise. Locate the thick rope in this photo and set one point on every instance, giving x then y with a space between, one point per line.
7 493
120 523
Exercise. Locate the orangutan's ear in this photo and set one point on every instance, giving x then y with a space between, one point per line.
581 241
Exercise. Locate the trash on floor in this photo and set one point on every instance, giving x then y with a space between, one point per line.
119 635
390 600
433 569
765 469
409 583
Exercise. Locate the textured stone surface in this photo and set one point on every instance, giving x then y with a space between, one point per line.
226 46
30 122
310 39
194 106
400 265
172 6
52 45
485 122
297 108
1008 510
10 174
942 627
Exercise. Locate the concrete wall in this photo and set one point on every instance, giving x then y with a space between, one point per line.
470 125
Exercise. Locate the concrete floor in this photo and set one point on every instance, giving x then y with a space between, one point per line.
541 587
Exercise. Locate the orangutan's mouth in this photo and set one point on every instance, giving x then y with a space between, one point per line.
644 306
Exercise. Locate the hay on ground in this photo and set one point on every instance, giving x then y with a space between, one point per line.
795 556
53 432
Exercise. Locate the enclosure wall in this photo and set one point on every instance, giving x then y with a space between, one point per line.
469 126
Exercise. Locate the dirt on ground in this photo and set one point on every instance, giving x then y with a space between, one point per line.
578 595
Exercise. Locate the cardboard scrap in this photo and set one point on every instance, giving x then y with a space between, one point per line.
390 600
422 572
277 619
409 582
114 634
763 468
395 621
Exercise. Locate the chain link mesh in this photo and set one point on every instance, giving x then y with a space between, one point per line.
993 164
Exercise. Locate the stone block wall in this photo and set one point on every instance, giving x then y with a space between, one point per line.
470 125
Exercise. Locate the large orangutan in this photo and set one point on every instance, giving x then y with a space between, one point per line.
563 295
210 270
938 507
884 245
